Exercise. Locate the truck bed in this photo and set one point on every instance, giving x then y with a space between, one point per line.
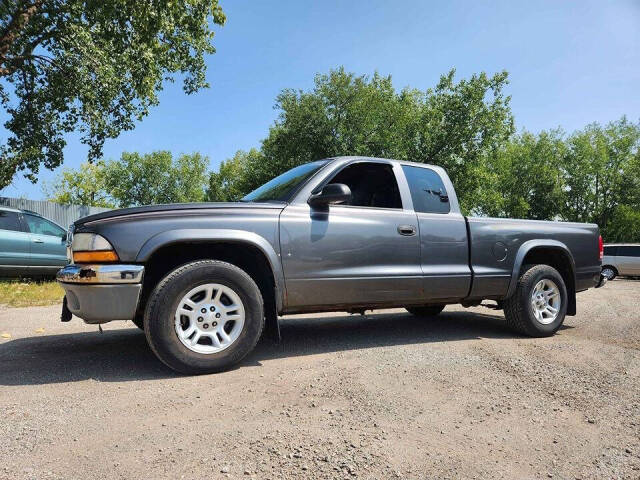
495 243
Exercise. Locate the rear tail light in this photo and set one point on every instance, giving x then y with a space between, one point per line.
601 247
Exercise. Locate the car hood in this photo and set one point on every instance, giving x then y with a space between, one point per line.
159 209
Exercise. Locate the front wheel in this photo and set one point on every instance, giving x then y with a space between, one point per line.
204 317
425 310
539 304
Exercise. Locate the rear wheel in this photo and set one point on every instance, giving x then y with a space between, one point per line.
539 304
204 317
425 310
609 272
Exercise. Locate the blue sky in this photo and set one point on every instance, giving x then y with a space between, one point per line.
570 63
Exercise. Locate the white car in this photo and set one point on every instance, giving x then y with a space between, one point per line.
621 259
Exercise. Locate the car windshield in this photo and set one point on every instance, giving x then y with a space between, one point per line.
282 188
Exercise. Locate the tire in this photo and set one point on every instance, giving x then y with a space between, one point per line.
138 321
519 310
162 327
609 272
425 310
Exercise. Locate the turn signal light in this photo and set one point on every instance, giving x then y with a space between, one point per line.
99 256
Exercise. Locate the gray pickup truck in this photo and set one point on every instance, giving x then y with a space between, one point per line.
344 234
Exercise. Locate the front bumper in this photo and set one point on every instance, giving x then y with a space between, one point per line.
102 293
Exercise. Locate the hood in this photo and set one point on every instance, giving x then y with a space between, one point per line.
151 209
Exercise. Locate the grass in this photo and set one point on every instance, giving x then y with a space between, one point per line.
30 293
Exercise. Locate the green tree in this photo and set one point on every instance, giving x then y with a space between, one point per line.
624 225
91 67
601 172
155 178
231 181
454 125
523 179
190 175
84 186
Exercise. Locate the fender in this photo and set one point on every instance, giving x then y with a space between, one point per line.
169 237
529 245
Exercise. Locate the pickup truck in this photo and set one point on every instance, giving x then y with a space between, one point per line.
342 234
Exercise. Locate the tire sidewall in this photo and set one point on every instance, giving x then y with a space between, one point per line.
550 273
160 317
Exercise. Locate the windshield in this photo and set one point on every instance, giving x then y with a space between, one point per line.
282 188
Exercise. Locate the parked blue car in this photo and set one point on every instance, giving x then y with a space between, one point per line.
30 244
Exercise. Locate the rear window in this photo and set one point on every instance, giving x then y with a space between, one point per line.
9 221
629 251
610 251
427 190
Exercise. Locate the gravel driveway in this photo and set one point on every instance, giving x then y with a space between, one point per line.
381 396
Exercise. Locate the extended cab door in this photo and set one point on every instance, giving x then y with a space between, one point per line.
363 253
444 248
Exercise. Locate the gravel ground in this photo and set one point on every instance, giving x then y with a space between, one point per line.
386 395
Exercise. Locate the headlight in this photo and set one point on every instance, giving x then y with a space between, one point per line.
91 247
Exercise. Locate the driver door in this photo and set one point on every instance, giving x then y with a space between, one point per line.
364 253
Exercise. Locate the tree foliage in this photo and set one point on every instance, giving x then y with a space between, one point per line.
454 124
156 177
92 67
601 171
591 175
230 182
522 178
84 186
134 179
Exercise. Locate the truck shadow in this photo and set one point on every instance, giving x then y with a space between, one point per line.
311 335
123 355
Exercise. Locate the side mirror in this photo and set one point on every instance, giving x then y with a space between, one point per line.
64 237
331 194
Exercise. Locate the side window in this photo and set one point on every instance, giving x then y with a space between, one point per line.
629 251
9 221
43 227
610 251
371 184
427 190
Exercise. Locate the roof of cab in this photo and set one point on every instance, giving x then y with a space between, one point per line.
404 162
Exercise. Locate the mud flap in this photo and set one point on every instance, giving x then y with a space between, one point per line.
272 327
66 313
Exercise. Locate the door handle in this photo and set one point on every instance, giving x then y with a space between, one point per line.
406 230
38 240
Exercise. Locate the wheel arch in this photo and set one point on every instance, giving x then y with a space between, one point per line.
547 252
247 250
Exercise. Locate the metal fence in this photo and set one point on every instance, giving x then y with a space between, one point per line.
64 215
